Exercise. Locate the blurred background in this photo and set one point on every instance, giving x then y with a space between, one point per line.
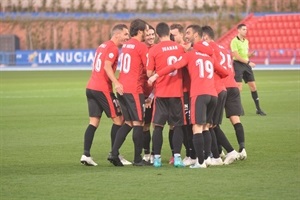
66 32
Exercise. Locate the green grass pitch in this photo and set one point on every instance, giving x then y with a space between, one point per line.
43 116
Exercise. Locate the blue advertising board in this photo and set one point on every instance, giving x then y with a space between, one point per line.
55 57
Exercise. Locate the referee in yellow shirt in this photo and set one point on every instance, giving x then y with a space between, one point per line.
243 66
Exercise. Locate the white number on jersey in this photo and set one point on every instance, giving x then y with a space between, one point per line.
125 61
225 58
205 68
171 60
97 63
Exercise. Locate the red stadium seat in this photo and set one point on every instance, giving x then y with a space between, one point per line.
291 53
289 31
279 18
269 18
260 57
272 32
280 33
290 18
281 56
291 24
276 45
270 25
263 46
253 46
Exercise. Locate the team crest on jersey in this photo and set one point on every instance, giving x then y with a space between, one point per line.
111 55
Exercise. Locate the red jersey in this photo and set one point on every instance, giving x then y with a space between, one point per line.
186 80
226 63
133 63
201 69
147 88
161 55
108 51
203 47
219 82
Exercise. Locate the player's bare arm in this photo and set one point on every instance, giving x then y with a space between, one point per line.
239 58
251 54
152 79
150 73
111 75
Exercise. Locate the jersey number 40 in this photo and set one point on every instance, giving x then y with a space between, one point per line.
125 61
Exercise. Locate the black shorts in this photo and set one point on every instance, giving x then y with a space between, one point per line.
186 101
243 72
218 114
132 106
168 109
202 109
233 105
102 101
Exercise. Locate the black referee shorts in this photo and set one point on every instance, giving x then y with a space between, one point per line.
243 72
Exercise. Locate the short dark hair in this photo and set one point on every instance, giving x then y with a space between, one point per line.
119 27
151 27
177 26
162 29
136 26
240 26
209 31
196 29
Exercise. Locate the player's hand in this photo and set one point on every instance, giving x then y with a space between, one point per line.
119 88
252 64
148 102
253 53
152 79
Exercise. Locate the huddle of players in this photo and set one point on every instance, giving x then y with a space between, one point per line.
190 83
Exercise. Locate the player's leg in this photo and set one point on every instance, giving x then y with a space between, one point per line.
176 118
170 136
198 119
250 80
95 112
198 142
255 98
160 116
113 110
211 106
147 135
146 141
117 123
122 132
86 158
240 135
137 137
136 105
217 120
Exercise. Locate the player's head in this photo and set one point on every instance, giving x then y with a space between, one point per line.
193 33
162 29
120 33
150 36
177 31
138 29
207 33
242 30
